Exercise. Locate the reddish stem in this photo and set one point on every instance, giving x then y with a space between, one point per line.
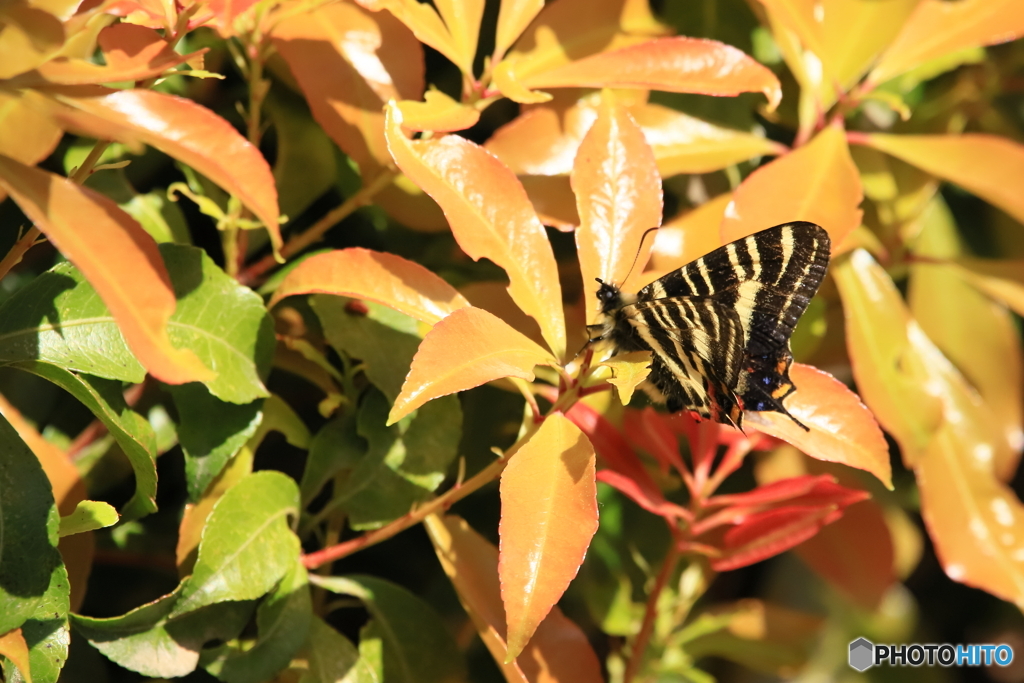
668 567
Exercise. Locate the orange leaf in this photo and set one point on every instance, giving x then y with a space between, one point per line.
817 182
349 63
182 129
513 18
684 144
462 18
961 320
548 516
553 200
688 236
854 554
385 278
132 53
679 64
14 648
490 216
543 140
30 37
464 350
438 113
842 429
990 166
618 198
24 134
493 297
558 651
975 521
428 28
116 256
937 28
1002 279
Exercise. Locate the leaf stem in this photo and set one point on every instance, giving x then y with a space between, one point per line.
253 273
636 656
449 497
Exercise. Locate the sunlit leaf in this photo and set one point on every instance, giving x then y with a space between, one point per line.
145 640
349 63
462 18
842 429
629 370
466 349
558 651
119 259
688 236
247 545
13 647
490 217
25 135
428 27
30 37
938 28
438 113
817 182
961 320
132 432
990 166
385 278
89 515
999 279
182 129
685 144
679 64
975 521
548 516
131 52
513 18
618 198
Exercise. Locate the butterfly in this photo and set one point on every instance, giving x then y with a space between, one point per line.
718 328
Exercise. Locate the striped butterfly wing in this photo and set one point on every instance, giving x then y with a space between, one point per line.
740 305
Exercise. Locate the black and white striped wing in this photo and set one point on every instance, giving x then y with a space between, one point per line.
747 298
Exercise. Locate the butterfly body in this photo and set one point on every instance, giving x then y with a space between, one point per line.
718 328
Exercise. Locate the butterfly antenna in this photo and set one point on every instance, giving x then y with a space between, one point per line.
640 249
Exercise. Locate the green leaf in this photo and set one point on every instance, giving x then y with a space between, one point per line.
46 633
158 216
384 340
305 166
332 657
146 641
88 516
282 621
415 646
416 455
131 431
29 562
247 544
224 322
335 448
58 318
211 432
278 416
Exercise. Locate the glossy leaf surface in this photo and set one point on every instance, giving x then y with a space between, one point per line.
549 515
465 180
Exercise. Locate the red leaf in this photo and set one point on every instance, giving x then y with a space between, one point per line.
649 431
769 533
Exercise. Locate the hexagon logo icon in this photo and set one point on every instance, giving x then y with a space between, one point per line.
862 654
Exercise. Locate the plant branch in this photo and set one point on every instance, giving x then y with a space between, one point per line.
448 498
636 656
297 243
